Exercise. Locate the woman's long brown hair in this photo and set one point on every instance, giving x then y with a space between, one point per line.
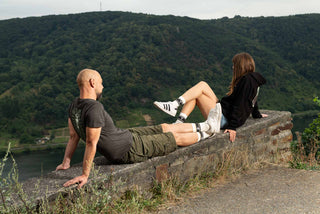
243 63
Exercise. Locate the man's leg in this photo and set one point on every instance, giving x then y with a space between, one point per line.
148 146
186 134
186 127
187 139
175 128
147 130
178 128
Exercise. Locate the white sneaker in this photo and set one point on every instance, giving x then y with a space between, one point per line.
167 107
214 119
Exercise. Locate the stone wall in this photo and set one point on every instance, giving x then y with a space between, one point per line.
267 139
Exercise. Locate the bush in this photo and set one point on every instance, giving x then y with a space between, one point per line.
26 138
311 137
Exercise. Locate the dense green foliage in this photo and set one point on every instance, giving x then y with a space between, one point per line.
306 149
145 57
311 136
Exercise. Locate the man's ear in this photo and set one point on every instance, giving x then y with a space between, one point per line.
91 82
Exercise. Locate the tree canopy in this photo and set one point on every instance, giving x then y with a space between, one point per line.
145 57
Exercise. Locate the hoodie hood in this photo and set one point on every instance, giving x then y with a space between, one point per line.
257 77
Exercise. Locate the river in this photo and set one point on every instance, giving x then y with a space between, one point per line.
38 163
42 162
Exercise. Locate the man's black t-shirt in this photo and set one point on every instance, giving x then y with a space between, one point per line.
113 142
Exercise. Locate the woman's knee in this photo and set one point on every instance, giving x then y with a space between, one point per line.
204 84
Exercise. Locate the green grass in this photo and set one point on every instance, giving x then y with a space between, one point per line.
59 140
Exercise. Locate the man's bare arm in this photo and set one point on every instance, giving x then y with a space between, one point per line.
92 137
71 147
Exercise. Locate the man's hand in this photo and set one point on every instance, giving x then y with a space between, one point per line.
71 147
232 133
81 180
92 137
264 115
63 167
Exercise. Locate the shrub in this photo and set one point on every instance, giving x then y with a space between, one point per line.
307 147
311 137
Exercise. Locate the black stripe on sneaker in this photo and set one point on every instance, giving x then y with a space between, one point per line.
166 107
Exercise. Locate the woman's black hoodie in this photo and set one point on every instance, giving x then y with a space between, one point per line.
238 106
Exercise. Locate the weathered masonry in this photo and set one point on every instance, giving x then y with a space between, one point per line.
266 139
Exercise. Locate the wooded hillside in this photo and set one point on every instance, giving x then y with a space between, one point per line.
143 58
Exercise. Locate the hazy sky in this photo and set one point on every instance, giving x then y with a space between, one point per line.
201 9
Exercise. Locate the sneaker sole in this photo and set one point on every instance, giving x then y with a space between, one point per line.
158 105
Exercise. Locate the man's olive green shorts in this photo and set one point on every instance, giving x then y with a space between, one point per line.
149 142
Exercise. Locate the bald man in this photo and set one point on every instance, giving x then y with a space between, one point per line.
89 121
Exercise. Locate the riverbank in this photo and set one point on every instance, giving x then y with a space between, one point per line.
18 149
25 149
306 113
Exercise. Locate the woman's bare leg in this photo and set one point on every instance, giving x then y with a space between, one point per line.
201 95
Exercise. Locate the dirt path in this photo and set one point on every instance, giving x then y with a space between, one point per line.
269 190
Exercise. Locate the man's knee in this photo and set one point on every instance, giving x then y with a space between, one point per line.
178 139
165 127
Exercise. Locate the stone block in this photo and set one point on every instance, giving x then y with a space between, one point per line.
162 172
282 127
261 131
274 126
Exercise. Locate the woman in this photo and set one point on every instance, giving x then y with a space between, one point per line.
234 109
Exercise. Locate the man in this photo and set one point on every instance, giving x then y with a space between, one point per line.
89 121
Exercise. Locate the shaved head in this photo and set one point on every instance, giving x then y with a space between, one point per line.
90 84
85 75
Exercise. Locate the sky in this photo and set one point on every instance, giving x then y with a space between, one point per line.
200 9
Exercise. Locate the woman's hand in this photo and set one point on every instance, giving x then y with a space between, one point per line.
232 133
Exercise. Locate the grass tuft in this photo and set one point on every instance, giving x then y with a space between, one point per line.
302 159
